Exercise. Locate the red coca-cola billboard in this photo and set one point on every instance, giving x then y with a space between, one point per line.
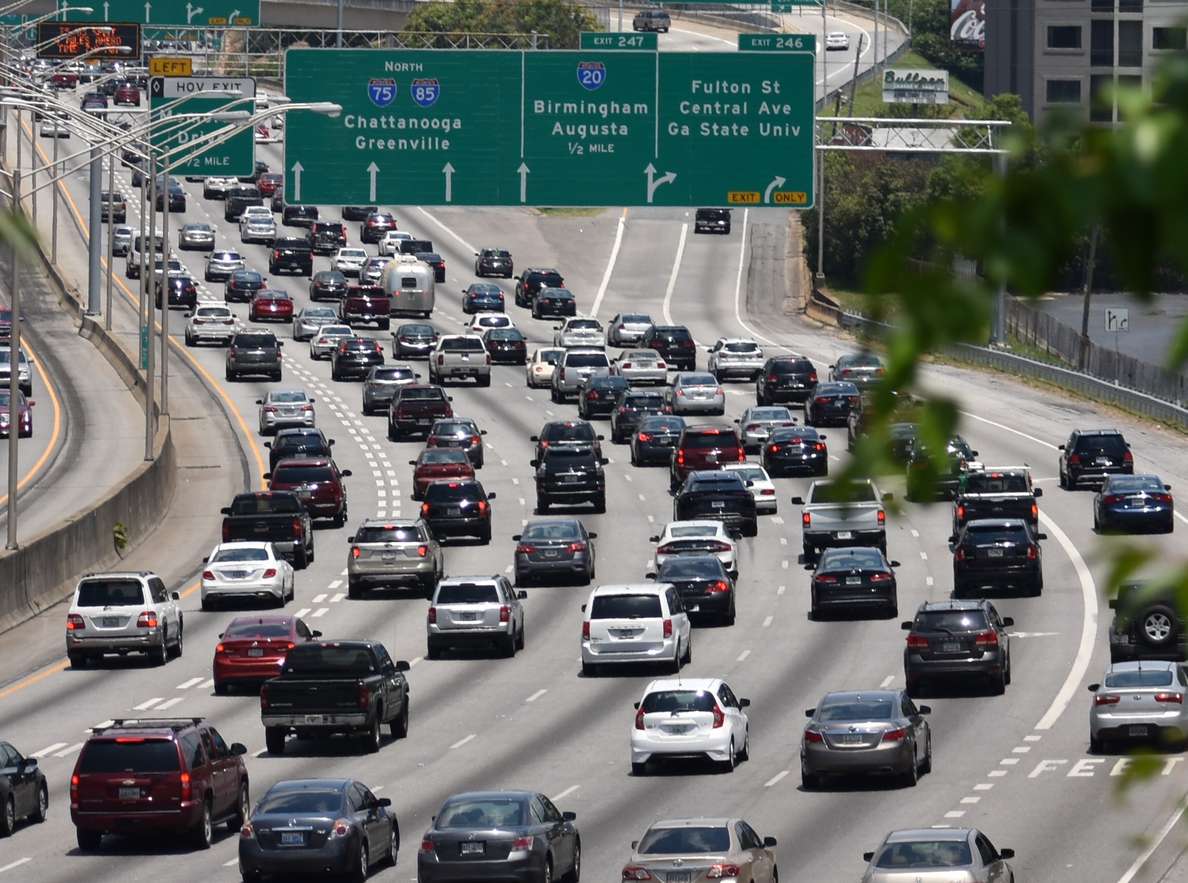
967 23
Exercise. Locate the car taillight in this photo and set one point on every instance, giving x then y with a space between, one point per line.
585 631
719 717
341 828
432 616
263 696
988 638
208 575
662 365
307 407
426 845
634 872
187 787
719 587
896 735
812 378
523 843
827 579
483 507
742 455
718 872
1074 459
1128 457
270 409
525 549
74 788
362 695
504 613
1166 499
577 547
1033 553
854 401
882 517
146 620
917 642
668 628
813 736
644 436
959 555
276 253
1034 511
1106 699
686 344
220 649
355 552
819 446
820 400
806 519
680 457
247 832
593 394
424 509
75 623
639 719
1177 698
474 439
880 577
270 573
773 449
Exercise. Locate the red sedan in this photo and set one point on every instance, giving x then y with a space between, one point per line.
253 648
270 305
24 414
436 464
268 184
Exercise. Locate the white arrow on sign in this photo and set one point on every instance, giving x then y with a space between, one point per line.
192 11
523 170
297 170
775 184
233 15
654 182
148 12
372 170
449 181
106 10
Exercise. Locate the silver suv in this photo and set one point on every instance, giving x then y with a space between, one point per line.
123 613
470 609
574 368
389 551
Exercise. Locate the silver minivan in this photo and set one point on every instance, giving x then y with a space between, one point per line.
409 284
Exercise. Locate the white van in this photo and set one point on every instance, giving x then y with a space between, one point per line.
409 284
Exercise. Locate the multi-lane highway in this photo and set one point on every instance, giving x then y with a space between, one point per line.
1017 765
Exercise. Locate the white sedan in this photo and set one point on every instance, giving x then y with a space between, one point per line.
327 339
349 261
837 40
759 483
246 570
679 717
707 537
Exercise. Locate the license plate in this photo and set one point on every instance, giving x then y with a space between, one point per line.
850 739
315 718
466 617
111 622
845 535
995 553
853 580
1137 730
453 510
424 421
678 877
678 729
256 651
950 647
292 838
1103 461
551 553
389 556
472 848
129 794
234 574
718 504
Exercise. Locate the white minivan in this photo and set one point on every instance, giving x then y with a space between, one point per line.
633 624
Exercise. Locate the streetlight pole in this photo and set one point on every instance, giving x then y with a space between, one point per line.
96 226
111 161
149 247
54 208
14 356
163 293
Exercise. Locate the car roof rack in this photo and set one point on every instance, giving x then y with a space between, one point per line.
150 723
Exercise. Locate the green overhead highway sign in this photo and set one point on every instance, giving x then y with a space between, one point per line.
192 13
619 40
777 43
236 155
563 128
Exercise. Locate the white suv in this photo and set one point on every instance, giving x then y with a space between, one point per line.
633 624
475 609
123 613
689 716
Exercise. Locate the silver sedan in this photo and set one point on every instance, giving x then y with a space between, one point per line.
1140 700
309 319
876 732
326 339
196 237
282 408
756 424
640 367
677 848
938 855
693 392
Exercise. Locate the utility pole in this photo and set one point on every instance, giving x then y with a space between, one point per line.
1086 294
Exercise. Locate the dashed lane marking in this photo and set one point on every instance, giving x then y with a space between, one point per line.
462 741
536 695
192 682
169 703
742 657
19 862
148 703
565 793
776 779
48 749
66 752
321 611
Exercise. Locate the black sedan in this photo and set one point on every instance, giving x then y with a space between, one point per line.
482 297
493 262
552 547
24 793
183 292
500 835
461 433
598 395
506 346
327 285
354 357
853 579
357 212
796 450
413 340
319 826
655 439
554 303
830 404
631 407
703 584
436 261
1130 503
458 508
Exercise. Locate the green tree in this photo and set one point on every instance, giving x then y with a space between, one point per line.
555 20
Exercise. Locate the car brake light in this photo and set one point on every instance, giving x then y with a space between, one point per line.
1166 499
806 519
208 575
355 552
247 832
988 638
634 872
742 455
296 527
577 547
680 457
432 616
1107 699
422 551
342 828
719 717
639 719
882 517
959 555
773 449
525 549
504 613
1074 459
585 631
483 507
812 378
1034 511
917 642
270 409
1128 457
74 788
523 843
819 446
276 252
270 573
668 628
441 360
896 735
187 787
644 436
363 696
426 845
827 579
1177 698
663 365
424 509
880 577
220 648
593 394
718 872
813 736
75 623
719 587
1032 553
146 620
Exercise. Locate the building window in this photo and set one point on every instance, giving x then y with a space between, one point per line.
1101 5
1169 38
1130 5
1064 91
1064 36
1130 44
1101 44
1101 104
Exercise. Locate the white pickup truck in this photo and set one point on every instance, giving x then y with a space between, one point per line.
837 514
458 356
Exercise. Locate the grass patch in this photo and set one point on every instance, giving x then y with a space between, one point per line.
964 102
861 303
570 212
1035 353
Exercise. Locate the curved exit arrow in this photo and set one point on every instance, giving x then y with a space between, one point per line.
776 183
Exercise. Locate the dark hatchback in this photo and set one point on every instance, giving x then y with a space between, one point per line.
786 379
631 407
436 261
997 553
317 482
327 237
327 285
242 285
703 584
1130 503
830 404
799 450
957 640
458 508
354 358
493 262
720 496
675 345
655 439
554 547
413 341
322 826
482 297
461 433
1090 455
598 395
853 579
532 280
291 255
301 441
554 303
439 464
570 477
506 346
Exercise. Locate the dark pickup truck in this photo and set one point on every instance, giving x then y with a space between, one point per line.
336 687
277 517
415 408
363 304
996 492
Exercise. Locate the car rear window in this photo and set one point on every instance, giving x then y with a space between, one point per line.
329 659
133 755
857 710
393 374
462 345
444 455
298 803
265 505
950 620
1139 679
643 400
110 593
440 491
846 559
698 380
552 280
662 424
995 483
558 530
452 427
416 331
239 555
838 492
996 531
253 629
1110 445
744 347
568 456
255 341
387 534
678 700
302 474
794 434
691 567
1131 484
683 841
587 360
288 396
486 813
924 854
720 438
860 360
625 607
555 432
467 593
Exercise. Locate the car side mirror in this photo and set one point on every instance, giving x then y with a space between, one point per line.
1093 688
634 844
176 596
906 625
1006 853
491 496
744 703
268 444
351 538
809 712
1008 621
204 561
600 437
1061 447
533 463
238 748
516 537
895 564
259 401
1041 536
583 608
412 462
735 420
402 665
654 539
534 438
383 802
226 510
346 473
280 343
569 816
523 596
1038 492
603 460
317 634
268 476
1113 603
29 763
592 535
797 501
1166 487
888 497
331 441
650 575
867 856
822 436
952 539
482 432
925 709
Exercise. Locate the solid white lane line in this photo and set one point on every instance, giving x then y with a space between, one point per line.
462 741
672 277
610 264
776 779
536 695
148 703
23 861
169 703
1146 854
192 682
565 793
48 749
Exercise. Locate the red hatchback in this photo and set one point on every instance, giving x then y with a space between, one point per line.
317 481
253 648
436 464
268 183
270 305
705 447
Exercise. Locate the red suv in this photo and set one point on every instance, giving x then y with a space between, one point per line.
158 774
317 481
704 447
126 93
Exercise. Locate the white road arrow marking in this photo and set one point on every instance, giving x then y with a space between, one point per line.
297 170
776 183
372 170
523 170
148 12
448 169
654 182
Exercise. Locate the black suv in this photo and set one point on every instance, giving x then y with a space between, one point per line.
597 396
567 434
957 639
327 237
239 198
302 441
299 215
717 495
458 508
570 477
354 358
630 408
242 285
997 552
529 283
291 254
788 379
1147 625
675 345
1090 455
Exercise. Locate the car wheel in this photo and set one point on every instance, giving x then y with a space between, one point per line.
575 869
1096 745
809 781
507 646
911 776
727 765
89 841
432 649
373 738
243 809
590 670
77 660
728 619
399 726
8 818
221 688
639 769
1158 627
600 505
157 655
41 811
189 339
177 645
203 832
274 739
485 534
362 867
521 637
542 505
393 432
301 559
926 767
1007 675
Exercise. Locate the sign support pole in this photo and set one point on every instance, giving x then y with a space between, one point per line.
14 349
110 240
96 225
149 251
1000 301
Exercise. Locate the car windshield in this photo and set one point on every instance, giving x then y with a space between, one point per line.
685 841
388 533
1153 678
698 567
129 755
677 701
352 253
848 559
239 555
416 331
1132 484
925 854
996 483
302 803
109 593
257 629
552 280
467 593
319 313
553 530
494 321
451 491
486 813
635 319
329 660
856 710
587 360
625 607
950 621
